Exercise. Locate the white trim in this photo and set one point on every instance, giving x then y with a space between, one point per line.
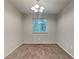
65 50
13 50
40 33
39 43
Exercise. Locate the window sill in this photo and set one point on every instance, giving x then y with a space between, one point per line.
40 33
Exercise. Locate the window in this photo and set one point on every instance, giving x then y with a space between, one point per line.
39 25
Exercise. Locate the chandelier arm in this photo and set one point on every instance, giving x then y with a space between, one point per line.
37 1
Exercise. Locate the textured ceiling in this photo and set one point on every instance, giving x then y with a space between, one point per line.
51 6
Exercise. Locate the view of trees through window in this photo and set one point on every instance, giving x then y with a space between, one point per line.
39 25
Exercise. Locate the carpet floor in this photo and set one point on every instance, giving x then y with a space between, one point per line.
39 51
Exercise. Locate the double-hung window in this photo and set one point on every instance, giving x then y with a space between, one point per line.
39 25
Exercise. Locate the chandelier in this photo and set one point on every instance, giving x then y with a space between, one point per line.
37 8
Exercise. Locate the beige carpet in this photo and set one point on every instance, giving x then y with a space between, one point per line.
39 52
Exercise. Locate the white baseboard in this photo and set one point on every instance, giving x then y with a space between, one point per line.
39 43
65 50
13 50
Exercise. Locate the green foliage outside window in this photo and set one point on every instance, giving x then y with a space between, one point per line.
39 25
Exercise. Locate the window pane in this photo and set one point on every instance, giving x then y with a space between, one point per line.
39 25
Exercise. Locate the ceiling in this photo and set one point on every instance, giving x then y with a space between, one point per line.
51 6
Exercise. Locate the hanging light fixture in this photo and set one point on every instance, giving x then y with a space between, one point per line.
42 7
32 8
40 10
37 8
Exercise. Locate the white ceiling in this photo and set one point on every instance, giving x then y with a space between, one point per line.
51 6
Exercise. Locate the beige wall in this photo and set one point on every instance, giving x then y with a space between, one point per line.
30 37
12 28
65 29
18 29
